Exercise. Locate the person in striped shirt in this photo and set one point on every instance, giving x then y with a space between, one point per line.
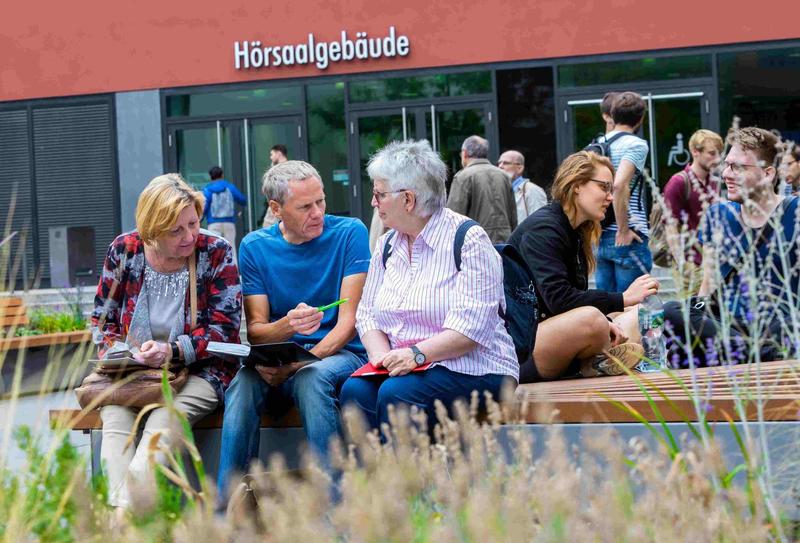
418 308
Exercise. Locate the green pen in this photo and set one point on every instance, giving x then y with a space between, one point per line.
334 304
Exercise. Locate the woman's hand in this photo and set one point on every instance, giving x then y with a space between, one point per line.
154 353
617 334
397 361
642 287
304 319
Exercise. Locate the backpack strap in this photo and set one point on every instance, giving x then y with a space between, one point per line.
458 241
687 185
387 249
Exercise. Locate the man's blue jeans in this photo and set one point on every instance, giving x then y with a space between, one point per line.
314 389
373 395
618 267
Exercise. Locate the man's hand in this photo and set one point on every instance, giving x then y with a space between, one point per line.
626 237
304 319
275 376
617 334
397 361
154 353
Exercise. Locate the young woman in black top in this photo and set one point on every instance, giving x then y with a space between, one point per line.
557 242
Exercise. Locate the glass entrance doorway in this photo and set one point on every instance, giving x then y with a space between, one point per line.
241 148
446 126
672 116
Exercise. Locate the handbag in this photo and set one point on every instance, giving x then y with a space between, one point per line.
115 385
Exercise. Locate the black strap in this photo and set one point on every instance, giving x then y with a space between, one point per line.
458 242
617 136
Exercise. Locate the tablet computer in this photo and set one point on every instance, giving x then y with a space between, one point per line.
278 354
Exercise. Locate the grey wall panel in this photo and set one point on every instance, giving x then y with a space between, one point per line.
139 149
16 185
75 177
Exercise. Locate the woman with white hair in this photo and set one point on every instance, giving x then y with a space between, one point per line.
417 307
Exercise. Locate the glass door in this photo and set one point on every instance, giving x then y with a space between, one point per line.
670 120
241 148
446 126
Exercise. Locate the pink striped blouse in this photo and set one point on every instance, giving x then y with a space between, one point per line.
412 300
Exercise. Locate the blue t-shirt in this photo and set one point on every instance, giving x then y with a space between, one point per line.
759 272
633 149
310 272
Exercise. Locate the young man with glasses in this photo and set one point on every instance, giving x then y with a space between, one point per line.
528 196
750 256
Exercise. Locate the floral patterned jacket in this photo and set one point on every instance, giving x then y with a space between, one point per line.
219 302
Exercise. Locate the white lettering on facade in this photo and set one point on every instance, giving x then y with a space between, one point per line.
252 55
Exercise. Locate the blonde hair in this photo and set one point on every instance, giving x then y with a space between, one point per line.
162 200
702 137
577 170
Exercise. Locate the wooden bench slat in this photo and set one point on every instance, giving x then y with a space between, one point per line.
75 419
13 320
58 338
12 310
11 301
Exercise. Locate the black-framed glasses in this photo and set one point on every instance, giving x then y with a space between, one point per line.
608 187
736 167
504 162
380 196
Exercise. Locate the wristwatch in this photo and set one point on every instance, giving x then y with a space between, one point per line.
176 353
419 357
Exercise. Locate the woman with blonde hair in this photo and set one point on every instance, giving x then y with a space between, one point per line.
167 289
580 330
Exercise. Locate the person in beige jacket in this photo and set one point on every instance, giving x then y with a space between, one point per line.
482 191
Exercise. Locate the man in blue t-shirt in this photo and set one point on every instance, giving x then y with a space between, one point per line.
305 261
623 255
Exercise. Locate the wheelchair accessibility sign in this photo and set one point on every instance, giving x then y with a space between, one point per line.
678 154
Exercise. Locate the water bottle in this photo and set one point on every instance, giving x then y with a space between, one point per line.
651 326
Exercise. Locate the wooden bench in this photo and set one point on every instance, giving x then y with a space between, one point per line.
599 399
13 313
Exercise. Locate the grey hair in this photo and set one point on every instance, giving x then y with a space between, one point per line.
412 165
475 147
275 183
519 157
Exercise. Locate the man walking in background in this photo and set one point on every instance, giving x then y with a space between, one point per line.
277 155
483 192
220 210
528 196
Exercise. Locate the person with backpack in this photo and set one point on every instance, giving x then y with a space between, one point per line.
220 209
420 307
575 334
687 195
623 254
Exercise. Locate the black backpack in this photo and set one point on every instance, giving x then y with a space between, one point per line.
603 148
521 315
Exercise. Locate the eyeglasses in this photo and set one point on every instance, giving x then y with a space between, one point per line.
504 162
736 167
380 196
608 188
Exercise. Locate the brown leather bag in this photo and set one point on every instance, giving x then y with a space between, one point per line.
135 387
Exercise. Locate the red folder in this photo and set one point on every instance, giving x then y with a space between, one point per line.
368 370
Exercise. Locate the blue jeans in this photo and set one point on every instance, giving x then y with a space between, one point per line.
314 389
374 394
618 267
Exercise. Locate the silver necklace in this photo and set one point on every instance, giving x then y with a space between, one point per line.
166 285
